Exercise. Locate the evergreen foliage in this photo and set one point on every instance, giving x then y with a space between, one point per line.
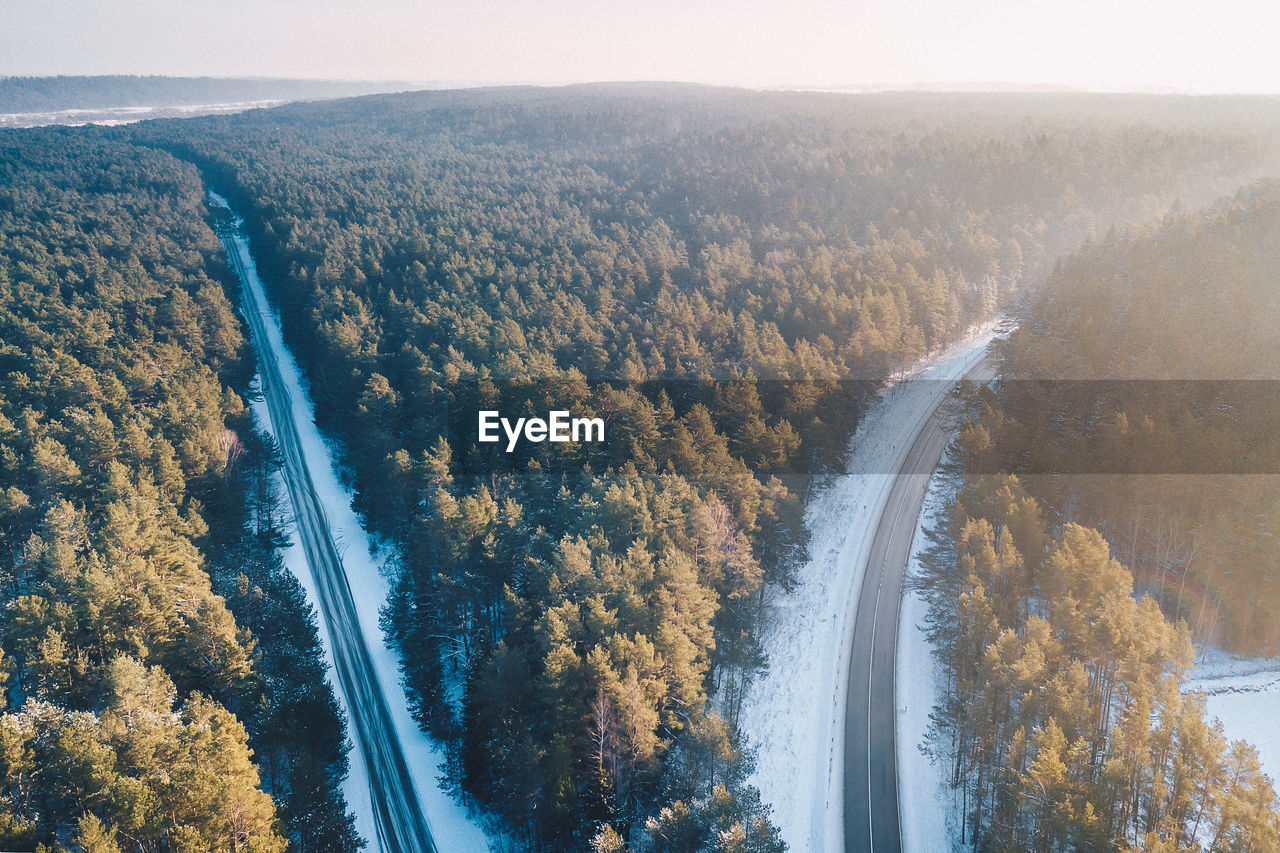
721 276
137 692
1063 723
1174 452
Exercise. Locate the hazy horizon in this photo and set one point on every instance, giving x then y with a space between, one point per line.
922 86
808 44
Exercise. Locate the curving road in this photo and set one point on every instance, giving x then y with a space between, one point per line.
871 822
401 827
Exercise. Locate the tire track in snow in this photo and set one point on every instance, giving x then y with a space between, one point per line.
401 826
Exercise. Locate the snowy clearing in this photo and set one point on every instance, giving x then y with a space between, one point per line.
1244 694
794 714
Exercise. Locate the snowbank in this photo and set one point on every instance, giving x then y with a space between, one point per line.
927 807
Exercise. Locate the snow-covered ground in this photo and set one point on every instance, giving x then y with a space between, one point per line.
451 827
794 714
927 808
115 116
1244 693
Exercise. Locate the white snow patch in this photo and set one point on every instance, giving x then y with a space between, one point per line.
794 714
451 827
1244 694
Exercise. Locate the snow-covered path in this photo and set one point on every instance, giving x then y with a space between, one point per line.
393 753
795 714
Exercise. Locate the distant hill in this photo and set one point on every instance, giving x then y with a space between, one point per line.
51 94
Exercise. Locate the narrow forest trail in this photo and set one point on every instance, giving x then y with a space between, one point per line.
399 820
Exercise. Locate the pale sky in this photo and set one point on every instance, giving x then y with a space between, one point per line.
1221 46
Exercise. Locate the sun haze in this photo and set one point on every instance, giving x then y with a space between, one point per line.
1093 44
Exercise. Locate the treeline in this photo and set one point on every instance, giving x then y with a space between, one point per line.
1062 722
48 94
1173 454
162 677
707 271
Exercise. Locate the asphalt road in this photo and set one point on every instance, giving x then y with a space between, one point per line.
401 826
871 821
